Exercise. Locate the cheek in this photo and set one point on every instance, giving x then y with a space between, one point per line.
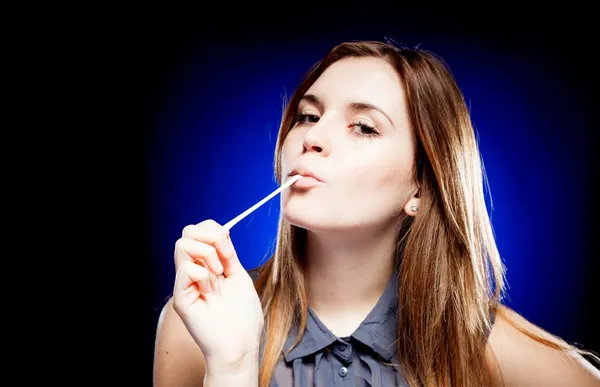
383 169
383 175
293 146
288 152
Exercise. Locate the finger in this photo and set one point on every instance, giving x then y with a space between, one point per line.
187 249
232 265
190 274
212 233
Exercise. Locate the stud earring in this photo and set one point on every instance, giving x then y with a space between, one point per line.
414 208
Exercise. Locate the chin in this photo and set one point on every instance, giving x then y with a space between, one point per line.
309 220
316 219
325 219
310 217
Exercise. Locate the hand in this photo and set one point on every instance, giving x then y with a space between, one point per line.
215 297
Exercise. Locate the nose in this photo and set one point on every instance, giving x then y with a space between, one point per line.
316 140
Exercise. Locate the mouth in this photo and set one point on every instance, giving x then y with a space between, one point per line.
305 173
307 180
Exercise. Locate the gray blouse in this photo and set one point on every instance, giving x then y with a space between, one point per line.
323 359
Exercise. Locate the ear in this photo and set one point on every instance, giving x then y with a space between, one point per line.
412 206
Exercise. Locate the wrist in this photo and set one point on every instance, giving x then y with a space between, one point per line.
240 372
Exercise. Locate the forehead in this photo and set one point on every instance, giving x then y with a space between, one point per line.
370 80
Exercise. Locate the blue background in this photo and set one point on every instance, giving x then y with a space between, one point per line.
211 119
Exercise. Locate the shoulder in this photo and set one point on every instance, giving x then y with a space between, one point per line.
522 354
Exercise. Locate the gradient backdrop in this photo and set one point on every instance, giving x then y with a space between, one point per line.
212 114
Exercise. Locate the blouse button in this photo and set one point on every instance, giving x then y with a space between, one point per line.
343 371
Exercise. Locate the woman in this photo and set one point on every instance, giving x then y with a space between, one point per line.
386 272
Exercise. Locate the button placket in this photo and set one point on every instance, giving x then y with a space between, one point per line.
343 351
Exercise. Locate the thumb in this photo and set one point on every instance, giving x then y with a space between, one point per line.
231 264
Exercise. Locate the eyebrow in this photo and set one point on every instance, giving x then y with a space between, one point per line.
359 106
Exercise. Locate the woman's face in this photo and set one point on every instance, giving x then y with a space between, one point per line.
353 135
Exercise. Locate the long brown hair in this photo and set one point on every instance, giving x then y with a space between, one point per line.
451 274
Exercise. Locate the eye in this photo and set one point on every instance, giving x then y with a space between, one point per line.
363 129
304 118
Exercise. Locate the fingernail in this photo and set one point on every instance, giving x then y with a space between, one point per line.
228 247
228 250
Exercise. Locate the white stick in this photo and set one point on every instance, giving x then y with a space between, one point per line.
250 210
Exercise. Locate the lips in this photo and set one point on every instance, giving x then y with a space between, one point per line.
305 172
309 179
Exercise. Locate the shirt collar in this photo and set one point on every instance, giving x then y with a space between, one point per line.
378 331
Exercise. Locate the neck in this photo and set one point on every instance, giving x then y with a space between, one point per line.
347 274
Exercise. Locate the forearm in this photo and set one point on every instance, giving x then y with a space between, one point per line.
243 374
